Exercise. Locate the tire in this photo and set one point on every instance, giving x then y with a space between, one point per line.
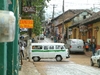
36 59
92 64
58 58
98 62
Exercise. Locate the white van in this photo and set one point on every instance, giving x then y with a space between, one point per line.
48 50
75 45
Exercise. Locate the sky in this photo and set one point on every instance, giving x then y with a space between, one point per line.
69 4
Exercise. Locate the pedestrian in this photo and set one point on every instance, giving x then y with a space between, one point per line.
59 38
93 47
33 40
84 42
87 46
21 50
51 37
55 40
24 44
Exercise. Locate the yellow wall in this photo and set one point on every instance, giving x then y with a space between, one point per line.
67 25
75 33
98 32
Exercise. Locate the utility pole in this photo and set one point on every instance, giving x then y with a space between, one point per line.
53 18
53 11
63 21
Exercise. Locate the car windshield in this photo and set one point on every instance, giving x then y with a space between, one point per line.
41 35
98 52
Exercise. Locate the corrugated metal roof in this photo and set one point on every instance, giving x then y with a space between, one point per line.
74 11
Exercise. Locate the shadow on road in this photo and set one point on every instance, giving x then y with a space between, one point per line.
53 60
77 53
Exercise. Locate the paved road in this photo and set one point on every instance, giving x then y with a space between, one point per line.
72 66
78 64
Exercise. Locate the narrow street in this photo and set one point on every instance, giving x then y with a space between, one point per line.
49 37
77 64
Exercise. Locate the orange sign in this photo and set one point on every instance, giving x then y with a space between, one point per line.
26 23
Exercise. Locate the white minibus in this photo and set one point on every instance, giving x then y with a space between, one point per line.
48 51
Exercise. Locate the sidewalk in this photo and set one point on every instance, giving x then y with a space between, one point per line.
28 68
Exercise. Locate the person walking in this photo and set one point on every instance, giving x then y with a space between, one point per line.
93 47
21 50
87 46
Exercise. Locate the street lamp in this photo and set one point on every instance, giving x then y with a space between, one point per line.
53 11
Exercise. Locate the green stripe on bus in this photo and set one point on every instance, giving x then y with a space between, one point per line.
48 50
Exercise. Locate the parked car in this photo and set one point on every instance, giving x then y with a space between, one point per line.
40 37
95 59
75 45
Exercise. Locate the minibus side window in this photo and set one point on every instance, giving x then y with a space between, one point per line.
46 47
51 47
57 46
32 47
37 47
62 47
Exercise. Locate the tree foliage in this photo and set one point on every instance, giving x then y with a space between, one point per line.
37 25
39 16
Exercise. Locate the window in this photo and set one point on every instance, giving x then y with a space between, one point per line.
57 47
62 47
98 52
37 47
51 47
45 47
84 17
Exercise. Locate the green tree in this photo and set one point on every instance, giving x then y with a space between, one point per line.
39 16
37 25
